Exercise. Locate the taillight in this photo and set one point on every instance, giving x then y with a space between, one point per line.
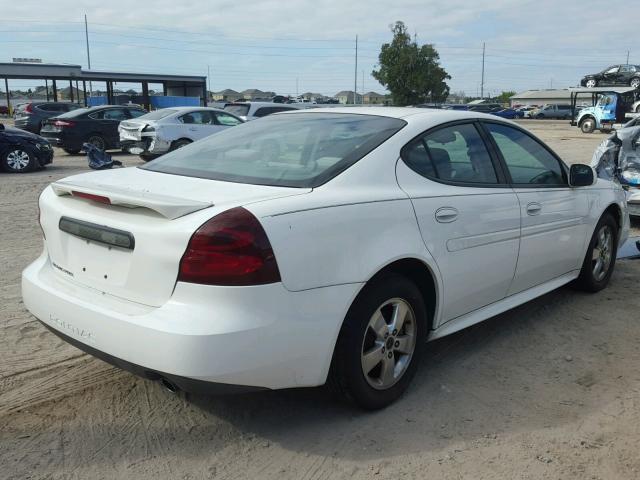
29 108
91 196
63 123
230 249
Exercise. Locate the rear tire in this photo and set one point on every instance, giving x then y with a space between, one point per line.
97 141
374 366
591 83
600 259
635 82
179 144
147 157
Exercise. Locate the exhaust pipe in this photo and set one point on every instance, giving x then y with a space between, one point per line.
169 385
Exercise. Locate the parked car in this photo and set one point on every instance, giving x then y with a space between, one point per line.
527 110
615 75
4 110
22 151
95 125
336 261
252 110
510 113
553 110
168 129
32 116
485 107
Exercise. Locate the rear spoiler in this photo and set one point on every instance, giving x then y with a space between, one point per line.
166 205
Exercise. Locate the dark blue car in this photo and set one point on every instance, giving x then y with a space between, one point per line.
508 113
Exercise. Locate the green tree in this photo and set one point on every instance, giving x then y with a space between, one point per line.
505 96
410 72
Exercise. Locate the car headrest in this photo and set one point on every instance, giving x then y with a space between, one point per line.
442 162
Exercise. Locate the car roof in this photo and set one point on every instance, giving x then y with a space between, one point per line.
190 109
409 114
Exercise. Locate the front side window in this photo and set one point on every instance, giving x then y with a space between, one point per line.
240 110
527 160
453 154
613 70
296 150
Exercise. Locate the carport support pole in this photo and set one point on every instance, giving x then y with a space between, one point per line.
55 90
204 94
71 90
6 89
145 95
46 87
84 89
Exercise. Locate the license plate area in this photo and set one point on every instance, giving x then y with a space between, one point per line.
97 233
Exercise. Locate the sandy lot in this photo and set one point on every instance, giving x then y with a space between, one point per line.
548 390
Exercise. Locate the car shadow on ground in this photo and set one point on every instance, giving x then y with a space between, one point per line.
530 368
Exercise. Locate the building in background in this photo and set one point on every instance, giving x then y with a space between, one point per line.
541 97
373 98
347 96
226 95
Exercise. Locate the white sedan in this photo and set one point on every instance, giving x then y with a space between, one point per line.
331 255
161 131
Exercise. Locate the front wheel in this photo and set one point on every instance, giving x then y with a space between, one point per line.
591 83
380 343
635 82
588 125
18 160
179 144
600 259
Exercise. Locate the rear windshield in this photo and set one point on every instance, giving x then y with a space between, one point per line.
239 110
158 114
74 113
291 150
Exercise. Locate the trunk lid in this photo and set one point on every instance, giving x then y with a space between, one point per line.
159 211
132 129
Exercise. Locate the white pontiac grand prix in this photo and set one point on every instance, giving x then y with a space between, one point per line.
316 246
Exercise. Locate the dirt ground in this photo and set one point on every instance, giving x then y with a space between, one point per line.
550 389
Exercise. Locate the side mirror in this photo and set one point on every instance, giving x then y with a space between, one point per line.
581 175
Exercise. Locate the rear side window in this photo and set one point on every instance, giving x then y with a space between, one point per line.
47 107
136 113
240 110
528 161
453 154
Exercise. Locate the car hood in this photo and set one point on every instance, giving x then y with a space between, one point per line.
17 133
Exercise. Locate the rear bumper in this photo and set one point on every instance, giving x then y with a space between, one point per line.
263 336
148 144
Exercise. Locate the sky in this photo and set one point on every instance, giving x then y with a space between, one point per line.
309 45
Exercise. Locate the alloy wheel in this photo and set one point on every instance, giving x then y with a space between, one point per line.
389 343
635 83
602 253
591 83
18 160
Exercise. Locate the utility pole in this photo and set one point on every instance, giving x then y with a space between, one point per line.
296 88
86 37
627 57
355 76
482 81
363 87
209 80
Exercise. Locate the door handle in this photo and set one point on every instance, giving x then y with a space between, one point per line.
534 208
192 129
446 215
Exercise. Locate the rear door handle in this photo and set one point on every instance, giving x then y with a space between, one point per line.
446 215
534 208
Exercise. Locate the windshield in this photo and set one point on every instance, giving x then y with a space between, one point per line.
158 114
239 110
291 150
